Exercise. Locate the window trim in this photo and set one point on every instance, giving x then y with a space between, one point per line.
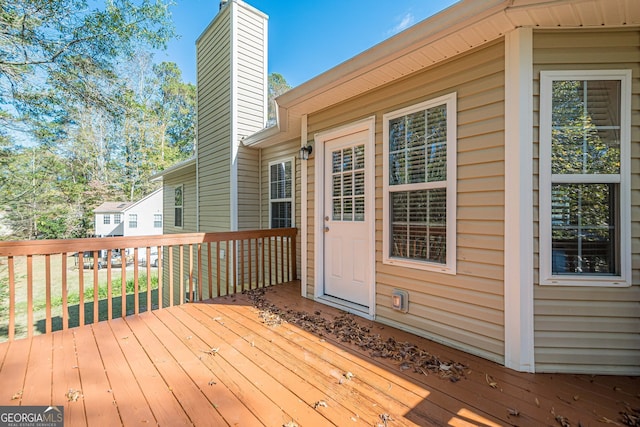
133 225
449 267
181 187
292 199
117 218
546 181
106 219
157 218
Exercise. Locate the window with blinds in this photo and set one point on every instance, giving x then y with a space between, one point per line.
281 191
419 186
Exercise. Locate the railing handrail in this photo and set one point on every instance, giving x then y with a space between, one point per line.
56 246
197 265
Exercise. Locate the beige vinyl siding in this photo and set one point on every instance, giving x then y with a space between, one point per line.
251 72
248 189
590 329
464 310
187 178
251 104
278 152
213 52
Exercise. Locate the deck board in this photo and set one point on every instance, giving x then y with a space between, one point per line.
166 409
66 378
218 363
132 405
95 387
38 377
230 407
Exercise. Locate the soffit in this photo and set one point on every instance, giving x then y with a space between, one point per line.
462 27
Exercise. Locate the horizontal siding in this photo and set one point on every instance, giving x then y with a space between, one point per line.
272 154
187 178
251 73
590 329
248 189
463 310
213 52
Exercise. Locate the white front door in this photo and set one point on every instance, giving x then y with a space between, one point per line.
347 241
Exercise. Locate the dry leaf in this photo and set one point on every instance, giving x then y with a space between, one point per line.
349 375
492 383
563 421
73 395
213 351
576 397
385 419
513 412
290 424
212 382
17 395
319 404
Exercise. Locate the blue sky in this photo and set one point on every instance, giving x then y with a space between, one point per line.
306 37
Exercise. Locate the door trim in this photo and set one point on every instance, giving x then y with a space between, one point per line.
368 125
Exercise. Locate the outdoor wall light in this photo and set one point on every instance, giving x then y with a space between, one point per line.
305 152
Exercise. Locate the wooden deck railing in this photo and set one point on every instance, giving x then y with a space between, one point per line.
43 282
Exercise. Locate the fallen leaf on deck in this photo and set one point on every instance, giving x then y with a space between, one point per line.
513 412
213 351
631 417
385 418
606 420
73 395
320 404
290 424
349 375
563 421
492 383
346 328
17 395
212 382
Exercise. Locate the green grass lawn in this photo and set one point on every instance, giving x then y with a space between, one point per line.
73 293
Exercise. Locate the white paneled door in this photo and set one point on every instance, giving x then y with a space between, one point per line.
346 220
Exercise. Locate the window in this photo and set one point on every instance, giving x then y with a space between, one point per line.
106 219
157 220
420 185
584 177
347 176
116 218
281 191
178 204
133 220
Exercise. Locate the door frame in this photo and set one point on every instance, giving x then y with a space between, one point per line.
368 125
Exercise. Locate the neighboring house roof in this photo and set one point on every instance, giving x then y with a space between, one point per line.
120 207
109 207
458 29
174 168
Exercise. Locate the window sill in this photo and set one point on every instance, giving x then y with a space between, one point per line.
420 265
587 281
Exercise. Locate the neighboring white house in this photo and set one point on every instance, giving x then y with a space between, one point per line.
141 218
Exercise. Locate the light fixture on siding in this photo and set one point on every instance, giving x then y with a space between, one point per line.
305 152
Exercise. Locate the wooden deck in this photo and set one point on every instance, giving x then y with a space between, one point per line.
234 361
